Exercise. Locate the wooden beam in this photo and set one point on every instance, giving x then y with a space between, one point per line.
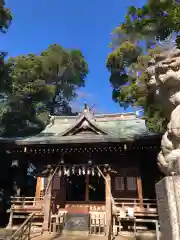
38 187
139 191
108 207
10 223
87 188
47 203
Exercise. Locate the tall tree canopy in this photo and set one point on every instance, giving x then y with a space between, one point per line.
35 85
5 17
31 87
67 69
5 21
134 42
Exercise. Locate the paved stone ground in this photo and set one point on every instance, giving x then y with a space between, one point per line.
56 237
47 236
147 236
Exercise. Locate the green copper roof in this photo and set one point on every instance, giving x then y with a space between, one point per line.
87 127
118 128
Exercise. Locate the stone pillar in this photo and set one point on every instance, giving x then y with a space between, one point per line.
108 207
47 204
168 199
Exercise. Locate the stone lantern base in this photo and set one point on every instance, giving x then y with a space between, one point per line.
168 199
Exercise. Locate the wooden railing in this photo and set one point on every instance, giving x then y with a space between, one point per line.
27 200
97 214
31 203
97 223
149 205
57 222
24 232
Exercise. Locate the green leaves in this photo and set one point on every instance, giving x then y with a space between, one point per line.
5 17
155 117
133 44
176 18
34 83
60 65
123 56
153 21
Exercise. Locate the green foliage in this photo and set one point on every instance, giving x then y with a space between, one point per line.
32 85
66 68
155 118
5 21
5 17
151 22
133 44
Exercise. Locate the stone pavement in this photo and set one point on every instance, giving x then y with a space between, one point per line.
60 237
47 236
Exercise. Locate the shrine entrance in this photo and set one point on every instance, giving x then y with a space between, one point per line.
75 188
85 188
96 189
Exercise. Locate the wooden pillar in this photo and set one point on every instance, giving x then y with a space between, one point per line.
62 192
139 191
47 204
38 187
21 177
87 188
10 223
24 170
108 207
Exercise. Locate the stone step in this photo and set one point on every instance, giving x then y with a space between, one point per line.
4 233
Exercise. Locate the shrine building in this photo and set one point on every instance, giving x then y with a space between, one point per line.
89 169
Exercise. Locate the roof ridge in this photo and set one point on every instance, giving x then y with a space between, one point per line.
97 115
114 114
123 120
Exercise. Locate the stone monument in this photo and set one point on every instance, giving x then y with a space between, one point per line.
164 79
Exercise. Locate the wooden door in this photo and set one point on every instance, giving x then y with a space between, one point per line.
125 183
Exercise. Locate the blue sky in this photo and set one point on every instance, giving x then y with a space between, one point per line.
82 24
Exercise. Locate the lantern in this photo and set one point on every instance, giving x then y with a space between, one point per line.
79 171
73 170
83 171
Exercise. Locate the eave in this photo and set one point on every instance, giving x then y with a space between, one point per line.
78 140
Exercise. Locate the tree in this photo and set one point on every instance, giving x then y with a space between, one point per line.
156 20
6 170
28 92
133 44
5 21
5 17
32 84
24 91
67 69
